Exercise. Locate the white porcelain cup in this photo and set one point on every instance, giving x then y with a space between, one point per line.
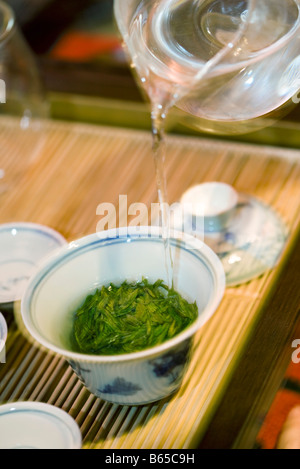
214 202
63 283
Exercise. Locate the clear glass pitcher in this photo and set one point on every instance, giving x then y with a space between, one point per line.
223 61
23 103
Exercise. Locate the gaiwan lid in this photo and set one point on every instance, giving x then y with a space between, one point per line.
35 425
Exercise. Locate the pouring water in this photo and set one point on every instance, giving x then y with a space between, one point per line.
222 60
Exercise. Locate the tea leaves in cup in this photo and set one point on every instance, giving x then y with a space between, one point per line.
130 318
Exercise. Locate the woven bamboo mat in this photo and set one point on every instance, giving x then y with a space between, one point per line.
76 168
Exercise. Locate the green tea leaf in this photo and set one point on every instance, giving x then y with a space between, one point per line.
130 317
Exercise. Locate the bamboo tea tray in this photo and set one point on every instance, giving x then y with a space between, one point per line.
77 167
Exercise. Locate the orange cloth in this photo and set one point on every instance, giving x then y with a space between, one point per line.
78 46
284 402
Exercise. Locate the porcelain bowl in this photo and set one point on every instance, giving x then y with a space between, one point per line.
65 280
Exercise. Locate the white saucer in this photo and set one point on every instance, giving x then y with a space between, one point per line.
34 425
22 247
250 245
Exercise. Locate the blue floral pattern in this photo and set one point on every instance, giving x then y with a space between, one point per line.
79 370
158 376
121 387
172 364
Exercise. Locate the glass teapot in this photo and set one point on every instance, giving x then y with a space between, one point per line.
220 62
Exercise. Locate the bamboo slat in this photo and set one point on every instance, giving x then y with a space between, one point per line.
75 168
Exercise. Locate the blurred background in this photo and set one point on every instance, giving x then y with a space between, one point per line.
77 46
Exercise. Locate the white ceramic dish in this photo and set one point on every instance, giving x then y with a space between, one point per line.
62 284
22 247
34 425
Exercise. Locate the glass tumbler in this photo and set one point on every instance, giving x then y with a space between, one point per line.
23 104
